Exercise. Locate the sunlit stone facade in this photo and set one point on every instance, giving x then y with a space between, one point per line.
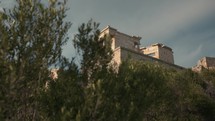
205 63
159 51
125 46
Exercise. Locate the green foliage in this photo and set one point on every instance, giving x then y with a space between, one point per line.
63 99
144 91
31 38
95 50
137 91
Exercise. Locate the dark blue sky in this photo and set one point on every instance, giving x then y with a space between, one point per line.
187 26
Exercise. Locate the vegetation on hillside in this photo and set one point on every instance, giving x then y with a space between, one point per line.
138 90
31 39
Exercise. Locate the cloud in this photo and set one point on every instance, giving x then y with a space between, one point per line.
1 10
190 46
187 26
194 53
189 58
175 17
7 3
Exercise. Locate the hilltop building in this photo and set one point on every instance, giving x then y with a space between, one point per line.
125 46
205 63
159 51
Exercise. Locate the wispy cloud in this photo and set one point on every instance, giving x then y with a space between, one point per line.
168 20
194 53
190 56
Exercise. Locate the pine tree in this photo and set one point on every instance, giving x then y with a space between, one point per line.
95 50
31 39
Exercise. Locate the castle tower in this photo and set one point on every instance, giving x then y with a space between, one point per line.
159 51
121 40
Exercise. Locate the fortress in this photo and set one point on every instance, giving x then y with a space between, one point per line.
125 46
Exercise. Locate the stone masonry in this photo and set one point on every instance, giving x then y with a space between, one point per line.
205 63
125 46
159 51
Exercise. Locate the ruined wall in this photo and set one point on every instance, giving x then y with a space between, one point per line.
204 63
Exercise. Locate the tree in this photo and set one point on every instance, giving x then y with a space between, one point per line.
95 50
28 47
138 91
96 55
31 39
63 99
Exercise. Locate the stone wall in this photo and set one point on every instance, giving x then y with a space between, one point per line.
205 63
124 53
210 61
125 46
116 57
166 55
159 51
151 51
120 39
123 40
